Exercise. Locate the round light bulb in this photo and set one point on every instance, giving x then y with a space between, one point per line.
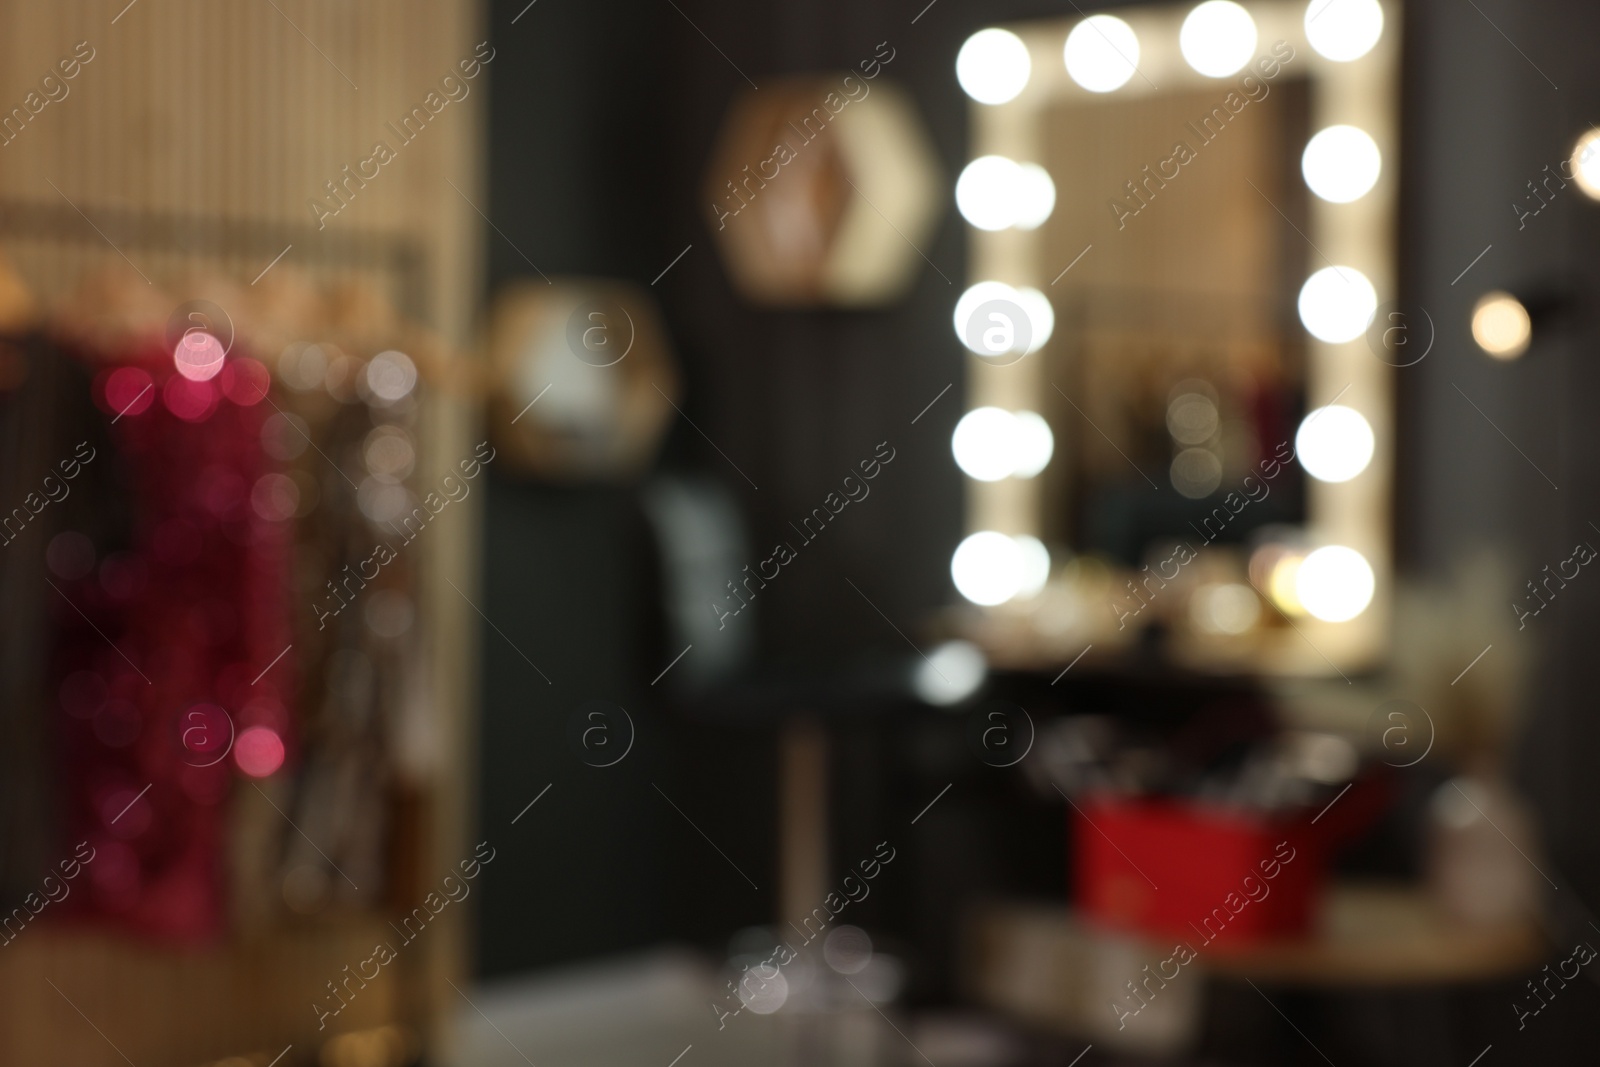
1041 316
1035 444
986 192
1334 583
994 192
993 66
986 444
1342 30
1337 303
1035 564
1218 38
977 294
1035 196
1102 53
1334 444
1341 164
1004 327
1586 164
1501 326
987 568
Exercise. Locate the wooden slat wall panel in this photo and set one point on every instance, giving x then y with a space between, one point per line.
223 110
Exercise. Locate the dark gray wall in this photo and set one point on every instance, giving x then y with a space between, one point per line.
602 117
1489 106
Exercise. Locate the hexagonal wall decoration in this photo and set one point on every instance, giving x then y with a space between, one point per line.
821 196
581 378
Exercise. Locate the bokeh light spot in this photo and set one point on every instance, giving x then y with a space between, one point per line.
198 355
259 751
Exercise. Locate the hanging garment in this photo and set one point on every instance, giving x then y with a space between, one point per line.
169 673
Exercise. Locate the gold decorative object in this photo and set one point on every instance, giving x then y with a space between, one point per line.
582 381
821 189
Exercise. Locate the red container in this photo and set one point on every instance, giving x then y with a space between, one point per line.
1173 869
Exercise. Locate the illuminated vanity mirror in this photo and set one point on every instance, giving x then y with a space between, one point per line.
1182 333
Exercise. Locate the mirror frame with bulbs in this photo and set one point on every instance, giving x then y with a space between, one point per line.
1008 114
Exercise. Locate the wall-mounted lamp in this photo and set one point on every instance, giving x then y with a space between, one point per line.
1586 163
823 188
1503 323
